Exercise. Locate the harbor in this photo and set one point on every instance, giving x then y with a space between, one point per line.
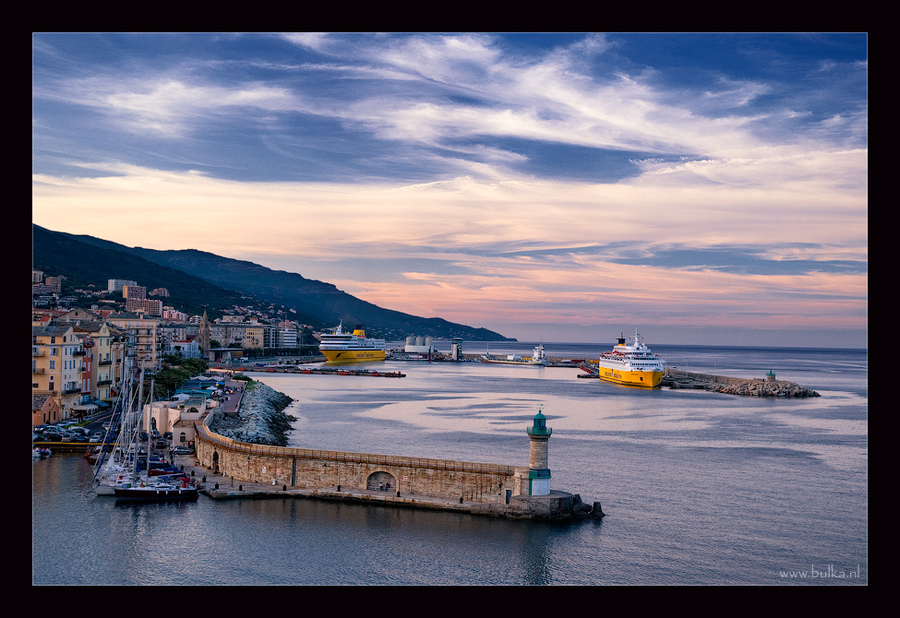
676 471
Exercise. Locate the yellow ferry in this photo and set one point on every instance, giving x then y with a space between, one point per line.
339 347
632 365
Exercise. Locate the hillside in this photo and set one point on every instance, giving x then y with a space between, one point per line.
196 278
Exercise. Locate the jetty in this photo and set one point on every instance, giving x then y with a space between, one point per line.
235 463
752 387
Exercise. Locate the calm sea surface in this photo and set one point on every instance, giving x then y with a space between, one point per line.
699 488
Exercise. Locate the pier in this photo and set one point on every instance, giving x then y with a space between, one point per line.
231 469
556 505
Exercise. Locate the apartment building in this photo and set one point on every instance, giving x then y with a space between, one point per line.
56 365
78 359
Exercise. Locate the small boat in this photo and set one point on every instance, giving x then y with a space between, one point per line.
40 452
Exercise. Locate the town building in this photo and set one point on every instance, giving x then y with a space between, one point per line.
56 363
143 334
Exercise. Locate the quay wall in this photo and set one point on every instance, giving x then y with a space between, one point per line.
318 469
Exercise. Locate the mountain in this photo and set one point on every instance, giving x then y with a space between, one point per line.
196 278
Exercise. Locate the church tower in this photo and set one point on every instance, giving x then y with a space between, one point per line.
204 335
538 461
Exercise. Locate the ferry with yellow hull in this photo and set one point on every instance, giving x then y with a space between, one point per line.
341 348
631 364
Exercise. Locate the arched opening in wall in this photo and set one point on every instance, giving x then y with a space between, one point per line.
215 462
382 481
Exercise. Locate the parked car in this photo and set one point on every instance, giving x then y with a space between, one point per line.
182 450
161 444
97 437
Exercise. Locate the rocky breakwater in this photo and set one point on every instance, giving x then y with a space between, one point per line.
260 419
754 387
763 388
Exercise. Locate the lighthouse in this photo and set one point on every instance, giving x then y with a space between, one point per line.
538 461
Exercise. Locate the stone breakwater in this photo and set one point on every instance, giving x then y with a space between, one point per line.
755 387
260 418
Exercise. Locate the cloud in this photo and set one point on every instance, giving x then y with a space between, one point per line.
547 177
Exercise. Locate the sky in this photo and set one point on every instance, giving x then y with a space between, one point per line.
704 188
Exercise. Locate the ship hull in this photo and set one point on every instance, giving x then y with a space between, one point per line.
342 357
643 379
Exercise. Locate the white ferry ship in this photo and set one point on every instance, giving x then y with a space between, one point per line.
339 347
631 364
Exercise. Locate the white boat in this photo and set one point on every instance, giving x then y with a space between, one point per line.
537 358
339 347
631 364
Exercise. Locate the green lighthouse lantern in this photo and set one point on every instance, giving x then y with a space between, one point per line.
539 426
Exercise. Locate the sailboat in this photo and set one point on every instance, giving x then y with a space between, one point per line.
145 486
119 471
112 465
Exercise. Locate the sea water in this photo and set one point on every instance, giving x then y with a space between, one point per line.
698 488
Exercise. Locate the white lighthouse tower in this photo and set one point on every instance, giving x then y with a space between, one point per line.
538 461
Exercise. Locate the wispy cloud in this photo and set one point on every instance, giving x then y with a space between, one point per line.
545 178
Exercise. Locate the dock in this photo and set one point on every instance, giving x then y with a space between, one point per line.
333 371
